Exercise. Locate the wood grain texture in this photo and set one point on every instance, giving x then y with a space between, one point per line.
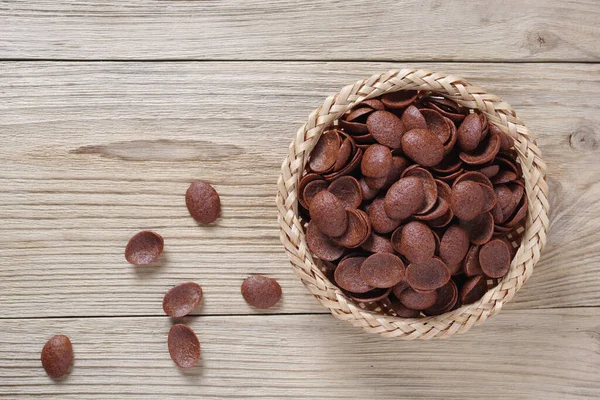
514 30
93 153
539 354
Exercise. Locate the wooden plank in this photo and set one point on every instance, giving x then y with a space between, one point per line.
514 30
549 354
92 153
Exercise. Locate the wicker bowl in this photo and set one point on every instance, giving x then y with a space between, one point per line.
530 242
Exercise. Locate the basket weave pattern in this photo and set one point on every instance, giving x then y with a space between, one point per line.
467 95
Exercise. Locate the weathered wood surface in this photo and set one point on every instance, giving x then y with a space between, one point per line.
93 153
527 354
463 30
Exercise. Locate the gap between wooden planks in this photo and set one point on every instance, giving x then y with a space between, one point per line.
93 152
510 30
525 354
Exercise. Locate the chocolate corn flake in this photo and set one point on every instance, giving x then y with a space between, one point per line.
414 203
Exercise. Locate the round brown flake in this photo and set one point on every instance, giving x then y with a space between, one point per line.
306 179
328 213
370 296
358 130
471 263
450 143
490 170
455 269
399 164
484 125
368 192
444 190
393 304
518 189
506 142
328 267
376 183
344 154
436 123
378 244
417 301
367 221
485 152
376 161
451 163
184 346
481 229
413 119
436 236
144 248
423 147
415 241
400 286
451 177
347 275
446 107
512 249
404 312
503 176
454 246
501 230
468 200
386 128
57 356
321 245
203 202
519 214
508 162
347 169
382 270
439 210
400 99
469 133
182 299
447 296
380 221
357 232
429 186
325 153
473 289
312 188
348 191
494 258
473 176
260 291
404 198
489 196
374 104
442 221
508 200
358 114
427 276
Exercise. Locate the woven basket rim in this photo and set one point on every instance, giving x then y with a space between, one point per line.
464 93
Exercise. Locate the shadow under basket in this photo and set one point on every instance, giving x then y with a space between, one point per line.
529 241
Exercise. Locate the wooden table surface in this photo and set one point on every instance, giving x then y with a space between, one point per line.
109 109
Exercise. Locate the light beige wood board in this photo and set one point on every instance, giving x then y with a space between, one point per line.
535 354
94 152
301 30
